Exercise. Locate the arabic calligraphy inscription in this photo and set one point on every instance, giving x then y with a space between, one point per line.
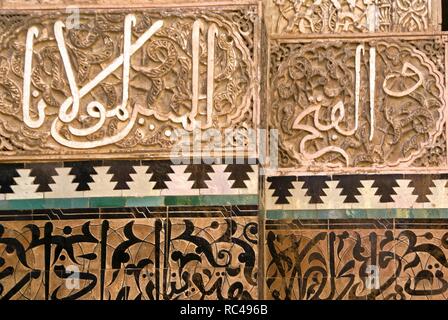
355 104
124 81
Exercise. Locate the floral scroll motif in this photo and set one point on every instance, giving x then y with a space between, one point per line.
356 104
350 16
124 81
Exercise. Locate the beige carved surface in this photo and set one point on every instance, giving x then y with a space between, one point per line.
350 16
358 104
124 81
40 4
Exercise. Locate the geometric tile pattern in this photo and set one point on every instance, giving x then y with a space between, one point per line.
221 211
357 191
123 258
386 259
154 230
124 179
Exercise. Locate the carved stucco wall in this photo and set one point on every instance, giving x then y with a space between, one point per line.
357 208
89 116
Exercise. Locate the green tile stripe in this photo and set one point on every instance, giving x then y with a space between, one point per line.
113 202
357 214
218 200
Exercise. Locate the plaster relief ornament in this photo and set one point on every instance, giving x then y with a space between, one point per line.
347 104
350 16
124 81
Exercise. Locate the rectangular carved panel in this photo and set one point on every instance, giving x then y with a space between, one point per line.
358 104
352 16
125 81
357 259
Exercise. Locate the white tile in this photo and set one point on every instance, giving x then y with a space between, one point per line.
219 183
439 196
270 200
299 199
141 186
179 184
63 186
252 183
102 185
404 197
24 188
368 199
332 198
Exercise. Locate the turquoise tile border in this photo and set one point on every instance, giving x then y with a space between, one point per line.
111 202
209 200
357 214
145 202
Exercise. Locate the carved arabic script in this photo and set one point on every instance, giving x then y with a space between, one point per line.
337 105
123 80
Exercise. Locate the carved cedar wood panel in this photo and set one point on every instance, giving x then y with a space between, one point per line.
357 104
124 82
